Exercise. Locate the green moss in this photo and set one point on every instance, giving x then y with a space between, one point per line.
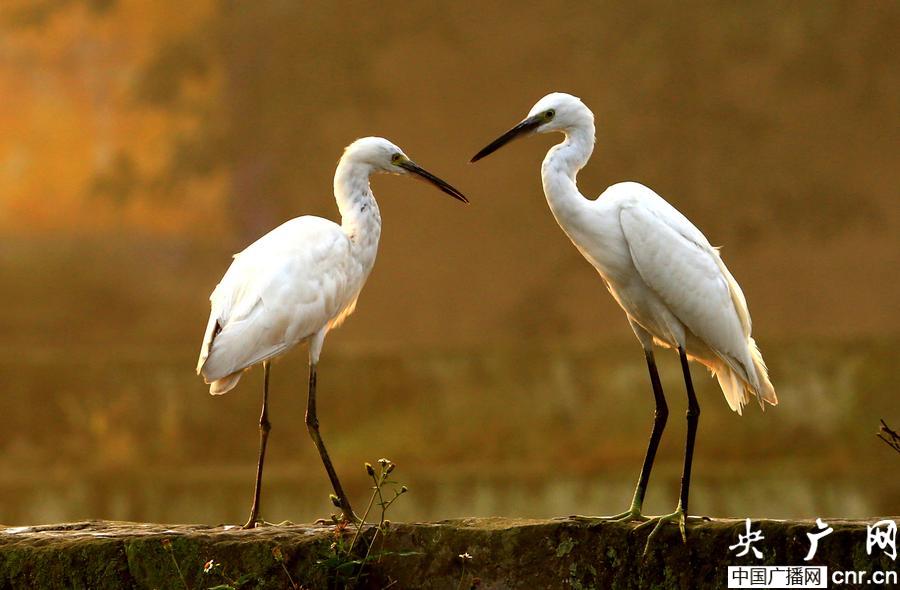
565 547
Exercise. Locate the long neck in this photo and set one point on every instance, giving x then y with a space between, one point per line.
559 173
360 217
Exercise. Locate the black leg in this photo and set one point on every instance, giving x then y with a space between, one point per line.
680 516
264 428
693 418
659 424
312 425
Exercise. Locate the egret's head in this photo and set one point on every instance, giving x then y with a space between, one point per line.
557 111
376 153
380 155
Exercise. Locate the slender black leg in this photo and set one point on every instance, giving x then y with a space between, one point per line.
264 428
312 425
680 515
659 424
693 418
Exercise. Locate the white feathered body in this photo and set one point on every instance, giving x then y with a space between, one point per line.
293 284
673 285
296 281
663 272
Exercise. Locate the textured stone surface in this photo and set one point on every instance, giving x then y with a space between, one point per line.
505 553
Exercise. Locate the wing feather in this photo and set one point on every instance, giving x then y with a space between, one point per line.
283 288
677 262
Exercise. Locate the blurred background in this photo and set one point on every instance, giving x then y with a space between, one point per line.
142 143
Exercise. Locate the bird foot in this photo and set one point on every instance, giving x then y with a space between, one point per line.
678 517
347 514
341 519
255 523
633 514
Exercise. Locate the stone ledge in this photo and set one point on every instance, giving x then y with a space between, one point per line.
506 553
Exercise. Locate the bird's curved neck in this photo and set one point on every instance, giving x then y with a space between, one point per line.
360 217
559 172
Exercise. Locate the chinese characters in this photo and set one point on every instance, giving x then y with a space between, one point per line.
746 541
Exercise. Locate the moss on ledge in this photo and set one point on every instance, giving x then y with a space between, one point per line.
505 553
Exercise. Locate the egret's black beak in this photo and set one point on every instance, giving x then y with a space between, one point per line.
414 168
523 128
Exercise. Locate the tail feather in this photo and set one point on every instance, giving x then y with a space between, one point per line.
736 387
225 384
766 391
212 330
217 386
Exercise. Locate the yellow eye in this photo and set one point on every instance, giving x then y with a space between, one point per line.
550 114
395 159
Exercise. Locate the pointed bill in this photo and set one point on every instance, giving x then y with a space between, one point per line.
523 128
444 186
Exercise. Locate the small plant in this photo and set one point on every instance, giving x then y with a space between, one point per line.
345 564
476 582
279 557
216 571
167 545
214 568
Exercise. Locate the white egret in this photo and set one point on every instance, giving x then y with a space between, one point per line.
671 283
295 284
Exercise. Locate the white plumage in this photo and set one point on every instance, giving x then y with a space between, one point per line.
671 283
302 278
296 283
679 290
661 269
